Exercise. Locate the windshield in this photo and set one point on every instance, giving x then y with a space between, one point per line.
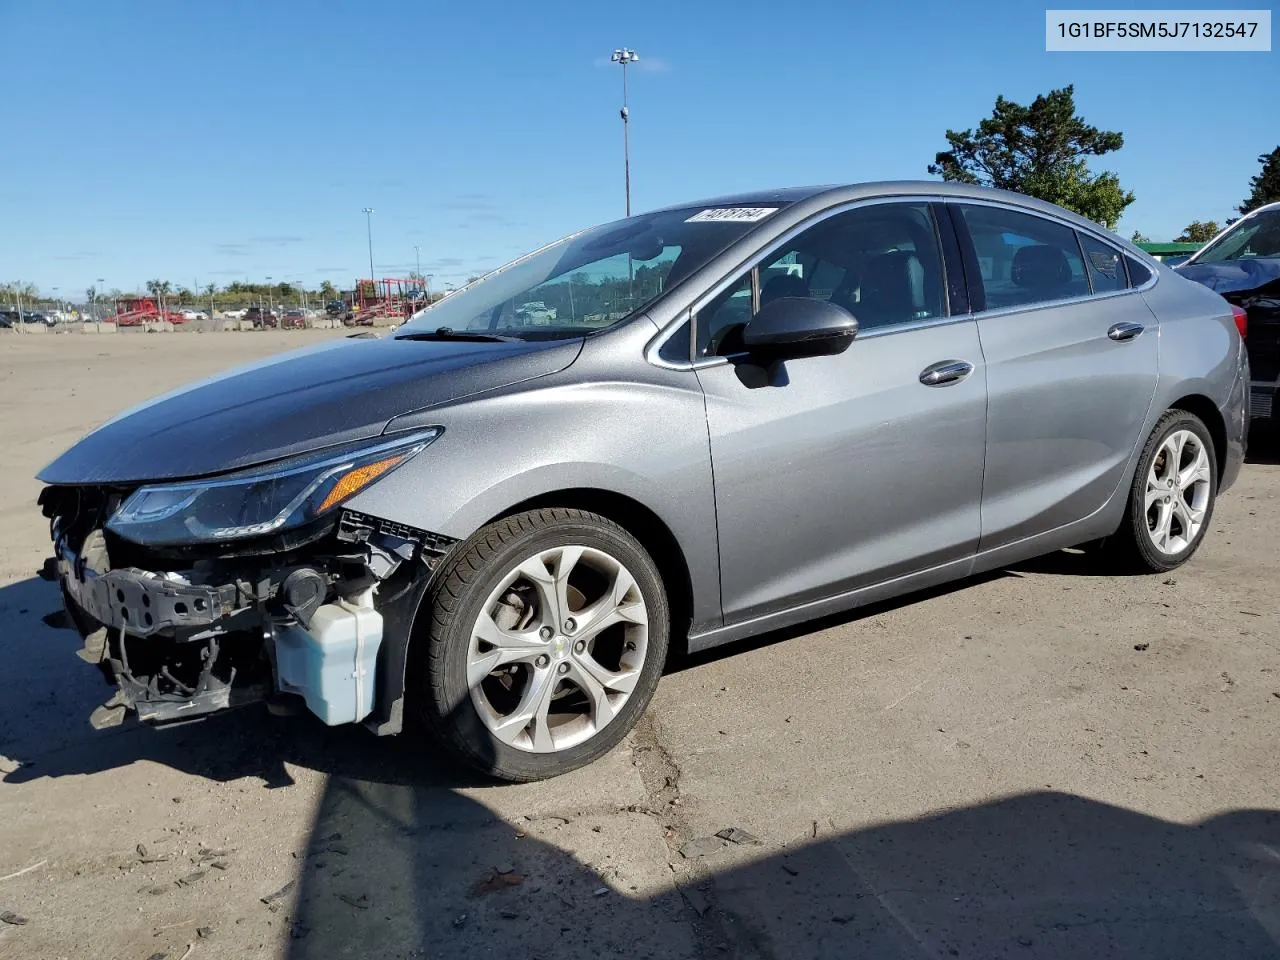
593 279
1256 236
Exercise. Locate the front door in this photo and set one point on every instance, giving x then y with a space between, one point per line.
833 473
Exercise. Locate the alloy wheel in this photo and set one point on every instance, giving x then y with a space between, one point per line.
1178 492
557 648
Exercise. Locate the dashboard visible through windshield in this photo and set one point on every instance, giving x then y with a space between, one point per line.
593 279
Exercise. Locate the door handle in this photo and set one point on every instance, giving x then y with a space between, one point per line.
1121 332
945 372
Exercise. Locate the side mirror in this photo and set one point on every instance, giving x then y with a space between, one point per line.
793 327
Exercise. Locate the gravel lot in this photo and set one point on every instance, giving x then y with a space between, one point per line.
1040 763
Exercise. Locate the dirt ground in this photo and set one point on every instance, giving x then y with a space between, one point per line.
1039 763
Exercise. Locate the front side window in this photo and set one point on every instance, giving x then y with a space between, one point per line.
1024 259
592 280
882 262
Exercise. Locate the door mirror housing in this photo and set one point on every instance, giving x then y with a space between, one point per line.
793 327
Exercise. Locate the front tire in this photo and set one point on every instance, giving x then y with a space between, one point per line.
1172 497
548 634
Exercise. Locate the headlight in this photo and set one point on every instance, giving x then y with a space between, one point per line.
261 500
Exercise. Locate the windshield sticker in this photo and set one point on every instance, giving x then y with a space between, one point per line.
732 215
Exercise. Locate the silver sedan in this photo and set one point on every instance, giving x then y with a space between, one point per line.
722 418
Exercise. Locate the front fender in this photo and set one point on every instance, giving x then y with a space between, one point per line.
643 440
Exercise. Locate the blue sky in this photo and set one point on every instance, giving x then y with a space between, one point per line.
215 141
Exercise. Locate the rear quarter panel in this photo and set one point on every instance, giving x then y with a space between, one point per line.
1201 353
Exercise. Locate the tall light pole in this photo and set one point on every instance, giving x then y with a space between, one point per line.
625 57
97 289
368 223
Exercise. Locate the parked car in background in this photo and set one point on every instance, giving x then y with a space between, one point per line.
40 316
234 314
294 319
537 313
504 521
191 315
1242 263
335 308
262 316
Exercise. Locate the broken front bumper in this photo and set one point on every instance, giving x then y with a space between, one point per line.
141 602
171 647
328 622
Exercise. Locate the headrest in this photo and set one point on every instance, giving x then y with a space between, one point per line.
783 285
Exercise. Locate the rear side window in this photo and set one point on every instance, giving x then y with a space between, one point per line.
1106 272
1139 273
1024 259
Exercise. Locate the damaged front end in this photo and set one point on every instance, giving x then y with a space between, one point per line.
318 607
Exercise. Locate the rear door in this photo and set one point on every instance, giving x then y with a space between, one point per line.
1072 363
833 473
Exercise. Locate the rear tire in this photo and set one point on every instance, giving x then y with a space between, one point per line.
548 634
1172 498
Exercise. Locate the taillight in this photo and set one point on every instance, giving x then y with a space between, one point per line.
1242 320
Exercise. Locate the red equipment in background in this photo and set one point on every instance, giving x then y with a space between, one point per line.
390 298
135 311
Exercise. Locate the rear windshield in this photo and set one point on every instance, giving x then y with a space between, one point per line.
593 279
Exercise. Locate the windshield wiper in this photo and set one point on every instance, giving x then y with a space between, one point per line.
448 333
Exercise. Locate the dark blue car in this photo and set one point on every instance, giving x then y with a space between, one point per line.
1243 264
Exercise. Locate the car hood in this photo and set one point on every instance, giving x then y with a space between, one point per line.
338 392
1234 276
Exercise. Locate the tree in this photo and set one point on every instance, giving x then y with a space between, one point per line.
1040 151
328 291
20 288
1197 232
1139 237
1266 185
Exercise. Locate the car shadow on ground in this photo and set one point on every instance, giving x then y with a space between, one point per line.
1036 875
683 661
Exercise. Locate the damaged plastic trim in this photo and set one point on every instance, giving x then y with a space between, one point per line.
191 638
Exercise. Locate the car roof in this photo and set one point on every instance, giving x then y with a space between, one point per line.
831 194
